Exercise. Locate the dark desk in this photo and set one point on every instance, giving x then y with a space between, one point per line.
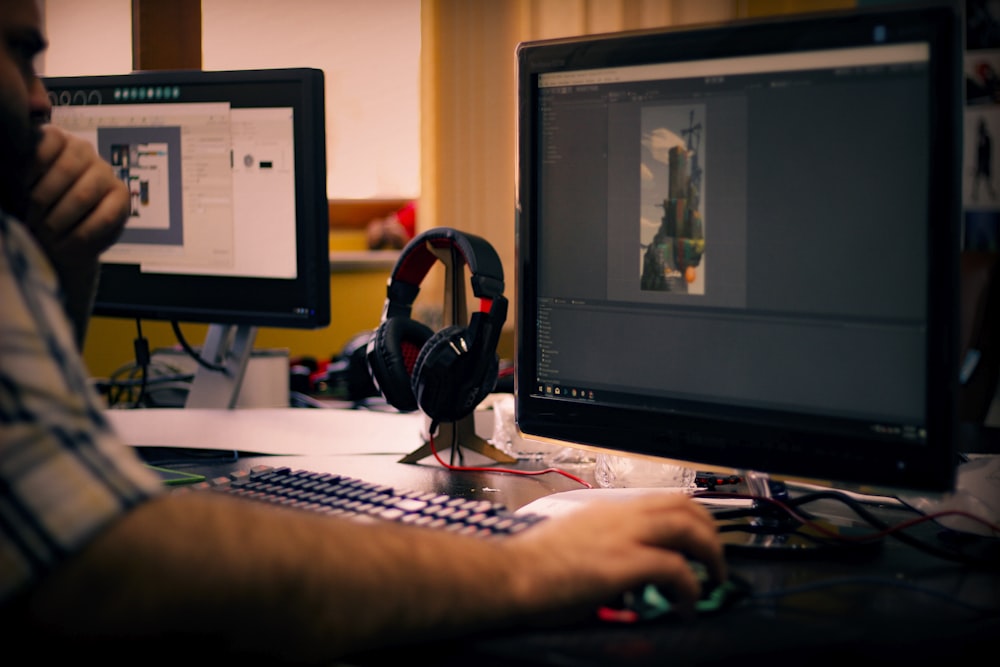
902 606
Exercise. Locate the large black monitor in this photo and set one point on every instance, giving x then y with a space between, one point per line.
229 214
738 245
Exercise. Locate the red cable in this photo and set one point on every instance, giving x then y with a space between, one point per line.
451 466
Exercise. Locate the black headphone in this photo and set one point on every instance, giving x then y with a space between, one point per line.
448 373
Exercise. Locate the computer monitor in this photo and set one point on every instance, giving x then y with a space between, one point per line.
229 214
738 245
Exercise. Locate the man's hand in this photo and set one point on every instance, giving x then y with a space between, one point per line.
77 209
589 558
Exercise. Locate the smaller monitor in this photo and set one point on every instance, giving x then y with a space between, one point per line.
229 213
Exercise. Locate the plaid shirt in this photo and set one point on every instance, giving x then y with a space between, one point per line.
63 473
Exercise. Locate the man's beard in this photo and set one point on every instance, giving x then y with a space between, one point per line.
18 143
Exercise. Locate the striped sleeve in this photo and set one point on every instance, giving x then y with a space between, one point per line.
63 472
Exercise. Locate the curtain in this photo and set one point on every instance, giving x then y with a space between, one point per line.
469 95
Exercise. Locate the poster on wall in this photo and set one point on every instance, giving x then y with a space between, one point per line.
980 184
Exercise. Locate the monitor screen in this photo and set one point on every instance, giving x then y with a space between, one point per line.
737 245
227 174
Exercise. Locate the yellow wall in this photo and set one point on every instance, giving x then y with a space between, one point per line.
356 304
356 300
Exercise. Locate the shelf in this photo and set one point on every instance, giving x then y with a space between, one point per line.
351 261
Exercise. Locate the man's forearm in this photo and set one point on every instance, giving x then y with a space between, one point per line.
312 598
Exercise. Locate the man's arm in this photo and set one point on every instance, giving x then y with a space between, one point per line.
77 209
296 585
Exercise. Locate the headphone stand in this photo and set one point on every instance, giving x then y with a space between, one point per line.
460 434
463 432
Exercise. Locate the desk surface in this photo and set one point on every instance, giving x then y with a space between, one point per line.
901 605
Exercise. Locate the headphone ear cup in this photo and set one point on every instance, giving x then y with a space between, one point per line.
392 357
448 381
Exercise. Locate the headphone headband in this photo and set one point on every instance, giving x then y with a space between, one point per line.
416 260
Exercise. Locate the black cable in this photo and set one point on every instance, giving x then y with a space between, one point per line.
116 387
141 347
152 381
859 509
192 352
114 390
767 509
120 386
900 535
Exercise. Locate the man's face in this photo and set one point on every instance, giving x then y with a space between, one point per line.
23 102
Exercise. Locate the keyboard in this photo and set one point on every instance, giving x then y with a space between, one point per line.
357 499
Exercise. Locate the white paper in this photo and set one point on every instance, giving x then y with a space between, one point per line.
288 431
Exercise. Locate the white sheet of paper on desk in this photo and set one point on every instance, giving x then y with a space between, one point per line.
290 431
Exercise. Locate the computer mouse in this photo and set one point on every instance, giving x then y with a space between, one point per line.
650 602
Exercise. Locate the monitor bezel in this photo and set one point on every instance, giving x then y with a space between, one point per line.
735 440
300 303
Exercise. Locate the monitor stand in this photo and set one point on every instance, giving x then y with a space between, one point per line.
227 348
768 532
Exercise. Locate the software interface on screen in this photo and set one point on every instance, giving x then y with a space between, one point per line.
212 187
746 232
228 218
